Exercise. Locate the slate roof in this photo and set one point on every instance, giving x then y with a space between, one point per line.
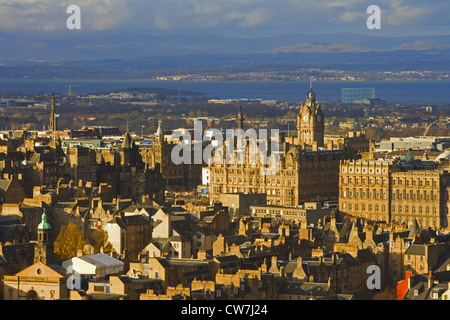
236 239
354 295
304 288
416 249
227 258
442 263
14 252
6 231
45 157
5 220
420 289
132 220
365 255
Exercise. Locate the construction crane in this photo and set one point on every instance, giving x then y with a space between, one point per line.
70 88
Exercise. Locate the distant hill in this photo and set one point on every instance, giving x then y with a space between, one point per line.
92 46
423 45
119 56
322 48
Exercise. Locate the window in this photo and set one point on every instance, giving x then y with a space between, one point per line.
99 289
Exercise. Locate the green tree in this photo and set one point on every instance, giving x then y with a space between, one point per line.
69 241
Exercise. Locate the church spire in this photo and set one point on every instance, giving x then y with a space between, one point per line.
53 114
240 119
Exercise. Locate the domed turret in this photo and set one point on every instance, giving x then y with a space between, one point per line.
44 225
43 251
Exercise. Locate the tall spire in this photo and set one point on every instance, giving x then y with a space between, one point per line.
240 120
127 140
53 115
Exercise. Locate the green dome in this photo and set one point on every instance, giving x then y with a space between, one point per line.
44 225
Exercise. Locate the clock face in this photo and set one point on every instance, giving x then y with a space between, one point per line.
305 118
319 118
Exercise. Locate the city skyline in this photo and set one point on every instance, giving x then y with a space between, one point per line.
239 152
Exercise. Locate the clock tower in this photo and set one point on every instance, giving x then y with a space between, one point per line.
310 122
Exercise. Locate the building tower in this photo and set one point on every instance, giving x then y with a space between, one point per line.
52 127
126 149
240 119
44 249
159 134
310 122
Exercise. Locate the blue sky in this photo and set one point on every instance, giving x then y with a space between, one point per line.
227 17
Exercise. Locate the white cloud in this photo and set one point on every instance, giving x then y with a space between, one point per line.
398 13
203 15
251 19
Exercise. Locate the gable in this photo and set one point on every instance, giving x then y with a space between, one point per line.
39 270
152 248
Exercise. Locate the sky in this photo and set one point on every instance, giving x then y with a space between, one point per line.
229 18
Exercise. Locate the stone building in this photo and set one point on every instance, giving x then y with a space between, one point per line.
37 282
156 155
304 171
395 191
11 190
82 164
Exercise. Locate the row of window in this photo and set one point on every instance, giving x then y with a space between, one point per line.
411 195
364 194
293 213
362 207
395 209
381 194
420 210
385 181
364 180
364 170
414 182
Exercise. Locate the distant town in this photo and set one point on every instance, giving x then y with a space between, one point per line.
93 207
297 74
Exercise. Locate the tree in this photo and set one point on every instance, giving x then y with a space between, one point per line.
386 294
68 242
99 240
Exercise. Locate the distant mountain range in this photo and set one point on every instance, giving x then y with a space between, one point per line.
423 45
85 46
85 54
